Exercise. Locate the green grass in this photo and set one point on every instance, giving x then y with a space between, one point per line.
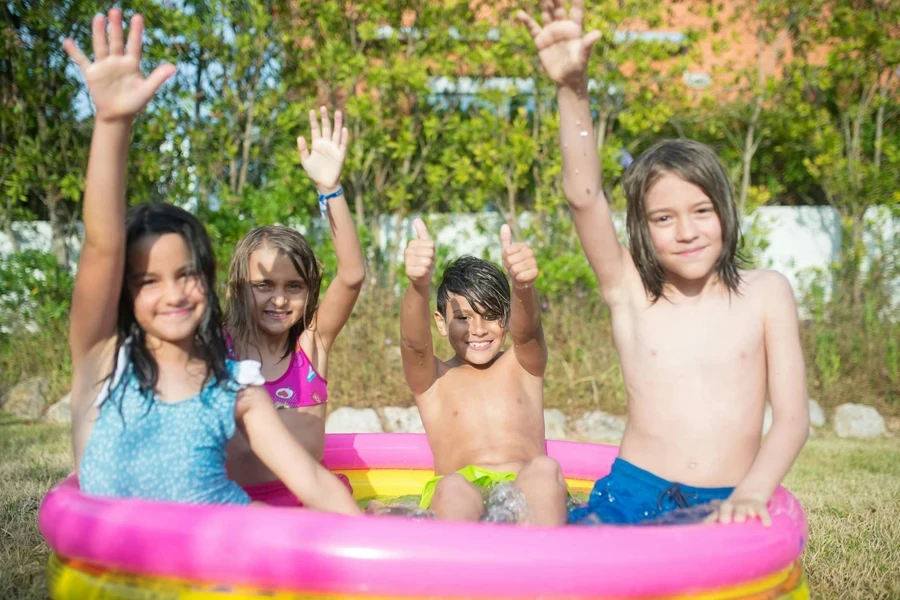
850 490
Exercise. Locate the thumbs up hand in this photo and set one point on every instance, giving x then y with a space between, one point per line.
518 260
419 257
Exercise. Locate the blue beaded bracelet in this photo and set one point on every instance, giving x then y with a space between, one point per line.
324 198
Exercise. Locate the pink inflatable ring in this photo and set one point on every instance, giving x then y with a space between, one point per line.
236 551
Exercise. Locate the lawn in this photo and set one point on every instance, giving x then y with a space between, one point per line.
850 490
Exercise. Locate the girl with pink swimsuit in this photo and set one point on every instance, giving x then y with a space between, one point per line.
273 314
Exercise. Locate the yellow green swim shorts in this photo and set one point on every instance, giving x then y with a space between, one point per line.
477 476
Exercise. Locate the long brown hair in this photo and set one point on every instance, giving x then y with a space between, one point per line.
695 163
239 315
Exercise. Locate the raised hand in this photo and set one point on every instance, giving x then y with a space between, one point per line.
324 160
419 257
563 50
518 260
114 79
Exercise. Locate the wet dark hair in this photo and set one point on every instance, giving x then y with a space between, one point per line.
482 283
695 163
209 341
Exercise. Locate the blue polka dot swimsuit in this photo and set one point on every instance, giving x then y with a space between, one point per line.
141 447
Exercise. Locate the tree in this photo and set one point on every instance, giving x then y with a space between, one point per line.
43 142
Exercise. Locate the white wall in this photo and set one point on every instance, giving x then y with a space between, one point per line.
800 238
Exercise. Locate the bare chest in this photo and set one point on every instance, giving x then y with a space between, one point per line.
721 335
470 399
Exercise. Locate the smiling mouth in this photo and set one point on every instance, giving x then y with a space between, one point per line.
277 315
480 345
182 312
692 252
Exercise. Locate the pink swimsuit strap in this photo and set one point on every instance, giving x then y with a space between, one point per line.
300 385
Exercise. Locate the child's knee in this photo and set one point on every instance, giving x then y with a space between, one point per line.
455 487
456 499
543 468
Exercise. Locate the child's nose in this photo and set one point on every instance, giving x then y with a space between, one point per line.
176 291
478 327
279 298
686 230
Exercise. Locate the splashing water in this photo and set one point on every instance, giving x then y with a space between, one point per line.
403 506
504 503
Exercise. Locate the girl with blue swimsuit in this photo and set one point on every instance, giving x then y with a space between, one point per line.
154 397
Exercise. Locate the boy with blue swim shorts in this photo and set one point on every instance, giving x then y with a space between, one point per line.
483 410
702 342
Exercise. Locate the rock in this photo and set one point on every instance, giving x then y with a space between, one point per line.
401 420
61 412
598 426
858 421
554 424
353 420
26 399
816 414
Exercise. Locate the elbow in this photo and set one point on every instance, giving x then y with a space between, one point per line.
354 278
581 195
795 426
414 347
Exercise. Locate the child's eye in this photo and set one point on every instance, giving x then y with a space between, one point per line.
296 287
662 219
260 286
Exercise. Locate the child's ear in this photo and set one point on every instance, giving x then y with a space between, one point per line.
441 324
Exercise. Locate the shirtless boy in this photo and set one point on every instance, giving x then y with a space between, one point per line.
483 409
701 342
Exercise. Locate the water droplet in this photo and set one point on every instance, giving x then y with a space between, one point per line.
583 133
576 171
578 121
692 465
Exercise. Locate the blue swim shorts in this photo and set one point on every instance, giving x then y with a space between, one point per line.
631 495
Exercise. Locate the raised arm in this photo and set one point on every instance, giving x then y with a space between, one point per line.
416 346
564 54
270 440
119 92
525 313
790 409
323 162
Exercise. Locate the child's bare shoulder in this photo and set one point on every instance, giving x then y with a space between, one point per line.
765 281
769 288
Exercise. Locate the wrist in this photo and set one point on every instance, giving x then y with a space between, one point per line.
325 189
324 197
115 123
575 86
421 286
751 493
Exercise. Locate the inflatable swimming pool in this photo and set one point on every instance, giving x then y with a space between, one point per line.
104 548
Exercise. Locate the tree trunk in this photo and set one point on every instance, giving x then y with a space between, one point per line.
750 146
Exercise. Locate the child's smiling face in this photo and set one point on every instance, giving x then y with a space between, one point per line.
684 227
168 293
476 340
279 292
